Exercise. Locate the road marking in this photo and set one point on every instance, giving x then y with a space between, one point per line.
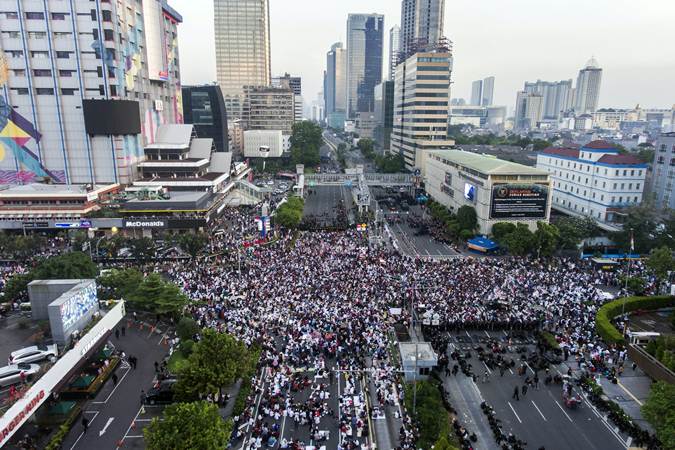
144 420
114 389
561 408
140 436
164 336
82 434
487 334
540 413
528 366
629 393
105 427
487 368
467 333
142 408
514 412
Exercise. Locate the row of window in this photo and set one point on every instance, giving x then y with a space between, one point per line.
663 148
577 178
662 160
561 163
45 91
602 197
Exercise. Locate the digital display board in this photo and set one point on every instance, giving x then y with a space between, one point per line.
470 192
111 117
78 305
519 201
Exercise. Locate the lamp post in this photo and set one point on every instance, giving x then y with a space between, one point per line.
632 249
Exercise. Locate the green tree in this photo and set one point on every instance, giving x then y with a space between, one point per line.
659 411
661 262
80 241
67 266
192 243
546 238
367 147
520 242
501 229
155 294
289 215
187 426
306 141
120 283
647 230
187 327
16 288
467 218
143 248
443 443
217 361
390 163
646 154
574 229
114 244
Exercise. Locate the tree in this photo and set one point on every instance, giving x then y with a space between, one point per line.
573 230
501 229
648 232
520 242
187 327
192 243
306 141
186 426
120 283
67 266
155 294
467 218
290 213
143 248
659 411
390 163
217 361
113 244
546 238
443 444
80 241
367 147
661 262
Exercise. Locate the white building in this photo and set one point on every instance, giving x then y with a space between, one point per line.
87 85
394 48
263 144
529 110
588 88
594 180
500 191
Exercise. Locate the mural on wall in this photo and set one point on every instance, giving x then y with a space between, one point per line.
15 132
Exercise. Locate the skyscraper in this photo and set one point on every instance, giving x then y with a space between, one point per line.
528 110
87 88
556 96
242 34
487 96
421 25
477 92
335 86
588 88
394 48
294 84
365 34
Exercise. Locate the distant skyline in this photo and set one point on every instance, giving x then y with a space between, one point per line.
515 42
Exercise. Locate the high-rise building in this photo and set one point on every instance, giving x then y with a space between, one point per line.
365 34
242 34
477 92
529 107
204 108
268 108
421 25
556 97
88 85
488 94
662 182
588 88
294 84
335 86
421 106
394 48
384 114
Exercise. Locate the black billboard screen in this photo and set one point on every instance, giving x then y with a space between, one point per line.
111 117
519 201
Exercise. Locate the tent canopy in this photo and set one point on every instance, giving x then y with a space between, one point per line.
482 244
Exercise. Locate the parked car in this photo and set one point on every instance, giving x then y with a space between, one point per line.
161 394
11 374
34 353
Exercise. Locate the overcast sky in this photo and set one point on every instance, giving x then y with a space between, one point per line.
514 40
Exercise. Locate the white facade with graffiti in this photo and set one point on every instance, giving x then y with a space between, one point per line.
56 53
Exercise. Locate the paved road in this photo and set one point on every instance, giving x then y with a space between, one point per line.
115 412
409 243
323 200
540 417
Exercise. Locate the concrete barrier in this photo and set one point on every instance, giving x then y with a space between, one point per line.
650 365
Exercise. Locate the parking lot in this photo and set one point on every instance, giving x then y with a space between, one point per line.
538 417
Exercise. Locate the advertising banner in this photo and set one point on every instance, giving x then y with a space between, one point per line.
519 201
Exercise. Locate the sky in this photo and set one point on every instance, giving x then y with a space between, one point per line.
513 40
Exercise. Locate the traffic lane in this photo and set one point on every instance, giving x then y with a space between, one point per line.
118 406
134 438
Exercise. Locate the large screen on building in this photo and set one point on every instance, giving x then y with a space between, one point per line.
111 117
519 201
78 305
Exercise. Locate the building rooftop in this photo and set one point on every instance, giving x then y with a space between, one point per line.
562 151
601 145
420 351
172 136
629 160
52 190
488 165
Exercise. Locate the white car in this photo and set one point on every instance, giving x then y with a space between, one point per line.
34 354
11 374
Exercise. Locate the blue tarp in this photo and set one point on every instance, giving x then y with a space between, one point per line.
482 243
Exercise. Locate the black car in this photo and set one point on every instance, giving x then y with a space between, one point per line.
162 393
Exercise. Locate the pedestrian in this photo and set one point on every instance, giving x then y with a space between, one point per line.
634 366
143 397
114 379
501 371
486 377
135 318
85 424
117 333
524 390
515 393
156 367
536 382
124 330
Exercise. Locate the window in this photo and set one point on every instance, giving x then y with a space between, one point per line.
620 199
63 55
65 91
93 14
66 73
108 35
617 173
630 186
632 173
59 16
35 16
39 55
602 198
604 184
19 72
12 34
21 91
614 187
636 199
613 199
42 73
11 15
623 185
14 53
37 35
95 33
107 16
625 173
637 186
44 91
662 148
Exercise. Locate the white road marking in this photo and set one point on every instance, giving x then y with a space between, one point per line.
540 413
561 409
82 434
487 368
105 427
514 412
114 389
487 334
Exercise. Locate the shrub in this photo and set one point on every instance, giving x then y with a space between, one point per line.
608 311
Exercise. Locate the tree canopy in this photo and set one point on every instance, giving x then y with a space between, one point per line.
192 243
155 294
659 411
289 214
187 426
306 141
648 230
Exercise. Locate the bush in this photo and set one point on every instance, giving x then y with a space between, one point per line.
608 311
186 347
186 328
431 416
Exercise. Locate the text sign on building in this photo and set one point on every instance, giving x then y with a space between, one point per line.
145 223
518 201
